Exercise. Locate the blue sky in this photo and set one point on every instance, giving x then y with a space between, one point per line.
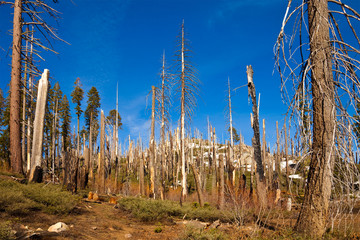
122 41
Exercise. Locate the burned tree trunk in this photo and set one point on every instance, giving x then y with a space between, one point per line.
314 211
39 126
15 138
198 184
101 166
260 187
221 196
152 147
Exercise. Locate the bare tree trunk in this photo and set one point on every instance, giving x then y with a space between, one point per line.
315 209
232 175
141 174
277 159
286 158
213 164
260 185
182 120
152 147
15 137
39 127
91 160
265 160
198 185
221 196
101 167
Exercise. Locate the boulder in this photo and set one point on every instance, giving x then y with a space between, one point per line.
215 224
58 227
96 197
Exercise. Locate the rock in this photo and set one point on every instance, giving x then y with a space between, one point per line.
195 224
95 197
91 195
39 230
94 228
58 227
72 225
128 235
215 224
112 200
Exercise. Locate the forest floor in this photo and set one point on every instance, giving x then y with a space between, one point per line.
101 221
30 209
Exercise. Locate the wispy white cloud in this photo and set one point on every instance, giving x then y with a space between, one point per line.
227 8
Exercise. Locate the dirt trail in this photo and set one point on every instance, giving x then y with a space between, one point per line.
103 221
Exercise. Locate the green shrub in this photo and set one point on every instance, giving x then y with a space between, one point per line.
196 234
5 231
20 199
149 210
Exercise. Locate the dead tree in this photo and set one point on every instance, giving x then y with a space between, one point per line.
101 159
231 138
152 147
330 68
261 185
221 195
187 83
39 127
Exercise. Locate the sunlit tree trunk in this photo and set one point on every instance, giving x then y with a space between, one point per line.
315 209
152 147
260 178
15 106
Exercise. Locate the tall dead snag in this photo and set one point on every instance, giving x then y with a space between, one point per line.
152 146
35 166
163 99
260 178
198 184
221 195
231 166
187 83
314 211
15 137
101 164
141 171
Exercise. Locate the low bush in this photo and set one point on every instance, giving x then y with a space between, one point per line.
149 210
20 199
5 231
196 234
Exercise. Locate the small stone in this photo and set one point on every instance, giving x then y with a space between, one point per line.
72 225
94 228
96 197
58 227
91 195
215 224
39 230
112 200
128 235
195 224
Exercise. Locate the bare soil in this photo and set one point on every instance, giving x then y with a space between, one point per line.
102 221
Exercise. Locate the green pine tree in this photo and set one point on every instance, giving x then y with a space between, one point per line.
112 118
92 112
65 121
77 96
236 137
4 129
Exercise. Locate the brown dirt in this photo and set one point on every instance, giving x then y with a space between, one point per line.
102 221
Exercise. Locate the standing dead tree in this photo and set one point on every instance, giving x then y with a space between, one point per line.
330 69
187 85
163 96
260 177
25 13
